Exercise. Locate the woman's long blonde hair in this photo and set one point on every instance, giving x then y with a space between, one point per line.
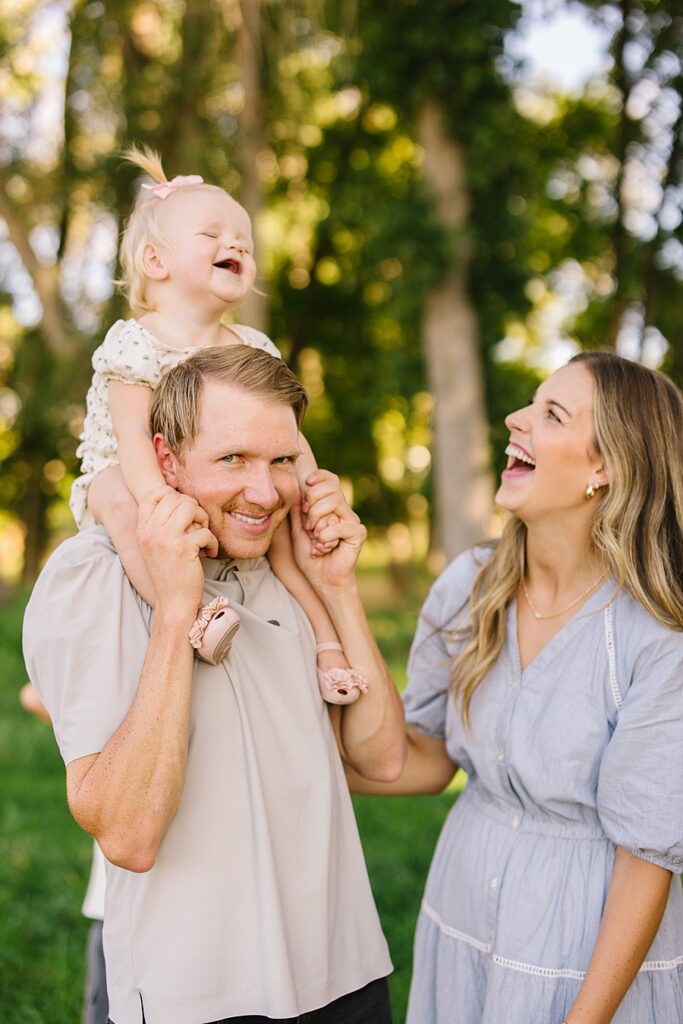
638 524
143 227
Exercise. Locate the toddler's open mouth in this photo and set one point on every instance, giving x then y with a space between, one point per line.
231 264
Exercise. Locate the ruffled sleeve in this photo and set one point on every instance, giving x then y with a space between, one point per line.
85 640
256 339
640 788
127 354
429 665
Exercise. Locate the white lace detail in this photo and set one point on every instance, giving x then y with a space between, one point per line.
544 972
519 965
453 933
611 657
661 965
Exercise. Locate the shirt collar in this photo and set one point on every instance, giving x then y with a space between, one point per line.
218 568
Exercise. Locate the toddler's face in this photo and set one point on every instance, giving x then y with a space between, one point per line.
210 252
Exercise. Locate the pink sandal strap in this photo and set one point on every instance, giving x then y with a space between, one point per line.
329 645
206 613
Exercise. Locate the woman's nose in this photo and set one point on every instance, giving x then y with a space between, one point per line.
518 420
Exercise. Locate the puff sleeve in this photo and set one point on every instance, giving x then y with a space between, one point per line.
640 785
256 339
85 640
429 665
127 354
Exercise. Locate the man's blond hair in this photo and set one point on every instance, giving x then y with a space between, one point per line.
176 403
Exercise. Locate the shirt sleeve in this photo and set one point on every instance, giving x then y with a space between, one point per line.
85 640
429 664
127 355
640 786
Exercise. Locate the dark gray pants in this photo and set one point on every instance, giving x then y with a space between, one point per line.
369 1005
95 1001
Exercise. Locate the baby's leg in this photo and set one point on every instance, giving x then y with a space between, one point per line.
111 504
338 683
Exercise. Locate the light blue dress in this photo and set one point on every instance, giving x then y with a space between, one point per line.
580 751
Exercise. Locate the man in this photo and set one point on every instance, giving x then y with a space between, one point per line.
236 887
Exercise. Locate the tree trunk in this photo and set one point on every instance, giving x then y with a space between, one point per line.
248 54
450 333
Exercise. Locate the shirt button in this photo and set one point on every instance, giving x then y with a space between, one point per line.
495 883
514 684
501 755
245 581
516 821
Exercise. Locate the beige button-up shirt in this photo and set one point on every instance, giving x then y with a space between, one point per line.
259 901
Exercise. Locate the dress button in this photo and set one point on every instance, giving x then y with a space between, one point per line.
516 821
495 883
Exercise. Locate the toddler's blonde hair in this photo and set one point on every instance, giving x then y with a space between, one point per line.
143 227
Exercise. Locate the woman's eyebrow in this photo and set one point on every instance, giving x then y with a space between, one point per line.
552 401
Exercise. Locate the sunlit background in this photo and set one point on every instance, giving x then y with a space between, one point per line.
449 198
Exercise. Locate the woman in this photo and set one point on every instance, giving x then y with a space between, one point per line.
550 668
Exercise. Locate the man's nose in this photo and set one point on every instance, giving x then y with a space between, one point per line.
260 489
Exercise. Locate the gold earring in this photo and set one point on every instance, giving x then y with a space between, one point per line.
590 491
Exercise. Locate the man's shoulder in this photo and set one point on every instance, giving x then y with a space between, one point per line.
86 565
80 553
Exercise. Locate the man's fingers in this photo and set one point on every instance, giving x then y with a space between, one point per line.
203 540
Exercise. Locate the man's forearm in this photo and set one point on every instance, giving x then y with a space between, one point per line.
371 730
634 908
128 794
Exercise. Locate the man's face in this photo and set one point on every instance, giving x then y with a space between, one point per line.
240 468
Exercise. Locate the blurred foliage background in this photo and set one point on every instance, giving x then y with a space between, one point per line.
435 229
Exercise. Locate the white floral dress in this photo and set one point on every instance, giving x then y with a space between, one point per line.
129 353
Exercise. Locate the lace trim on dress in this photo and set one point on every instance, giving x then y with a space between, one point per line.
453 933
519 965
611 657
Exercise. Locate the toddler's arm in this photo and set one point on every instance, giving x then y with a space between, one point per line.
129 407
305 465
116 492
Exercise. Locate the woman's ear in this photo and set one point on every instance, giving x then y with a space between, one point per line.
153 263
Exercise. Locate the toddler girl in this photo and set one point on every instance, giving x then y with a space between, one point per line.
187 258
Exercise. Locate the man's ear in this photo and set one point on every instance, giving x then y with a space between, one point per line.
168 461
153 263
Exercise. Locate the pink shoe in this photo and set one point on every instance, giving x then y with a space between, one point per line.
213 630
339 685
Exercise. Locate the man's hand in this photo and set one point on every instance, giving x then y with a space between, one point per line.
173 533
322 518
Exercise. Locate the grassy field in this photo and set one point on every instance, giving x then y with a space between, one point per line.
45 858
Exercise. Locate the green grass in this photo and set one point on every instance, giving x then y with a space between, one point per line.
45 858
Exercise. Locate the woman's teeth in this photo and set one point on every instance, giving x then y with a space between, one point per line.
519 454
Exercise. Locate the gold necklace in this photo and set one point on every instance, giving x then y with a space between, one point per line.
553 615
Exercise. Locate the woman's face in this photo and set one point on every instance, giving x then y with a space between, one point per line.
551 459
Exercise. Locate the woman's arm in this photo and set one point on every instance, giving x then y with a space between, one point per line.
428 769
633 912
129 407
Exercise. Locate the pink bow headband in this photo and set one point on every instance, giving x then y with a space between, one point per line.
163 189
